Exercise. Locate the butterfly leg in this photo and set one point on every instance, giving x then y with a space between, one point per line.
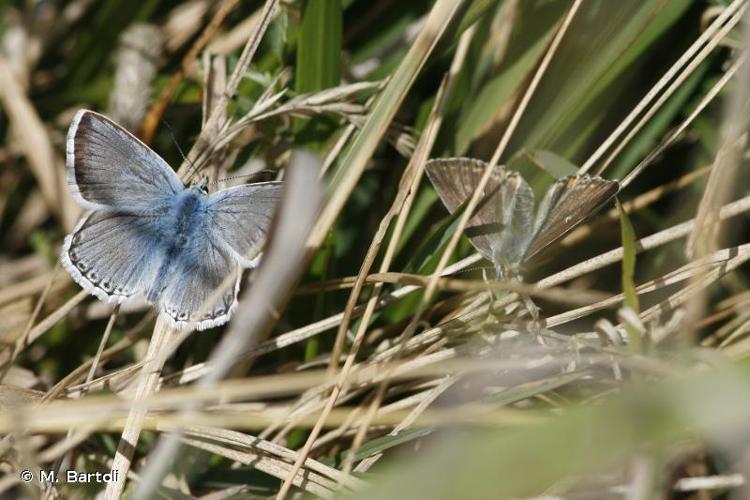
513 274
536 324
533 310
491 294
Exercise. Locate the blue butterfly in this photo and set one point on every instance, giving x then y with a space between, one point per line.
146 234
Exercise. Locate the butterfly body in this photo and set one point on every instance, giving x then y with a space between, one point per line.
145 233
505 228
184 221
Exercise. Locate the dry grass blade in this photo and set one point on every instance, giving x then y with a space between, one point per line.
717 261
364 144
44 325
333 100
36 145
153 118
250 448
158 350
473 202
562 296
107 411
157 354
20 343
721 185
32 286
729 259
675 135
400 207
407 422
484 415
125 343
309 331
310 482
202 148
660 238
718 30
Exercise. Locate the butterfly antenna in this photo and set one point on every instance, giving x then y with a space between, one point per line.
193 167
474 268
256 174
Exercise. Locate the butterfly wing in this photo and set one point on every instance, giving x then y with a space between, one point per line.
196 293
567 203
240 217
108 167
501 227
111 254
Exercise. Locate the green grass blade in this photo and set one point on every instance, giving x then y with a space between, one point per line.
356 157
319 46
628 272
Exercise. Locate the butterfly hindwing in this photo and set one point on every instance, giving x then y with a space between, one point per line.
110 254
195 293
567 203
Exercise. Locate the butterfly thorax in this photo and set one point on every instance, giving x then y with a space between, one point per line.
183 223
187 214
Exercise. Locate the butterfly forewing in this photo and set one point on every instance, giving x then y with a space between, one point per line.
108 167
241 216
566 204
507 202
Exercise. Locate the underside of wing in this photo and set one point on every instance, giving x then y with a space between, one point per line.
501 226
567 203
108 167
241 216
111 255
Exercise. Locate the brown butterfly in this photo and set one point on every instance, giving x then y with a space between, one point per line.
504 228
